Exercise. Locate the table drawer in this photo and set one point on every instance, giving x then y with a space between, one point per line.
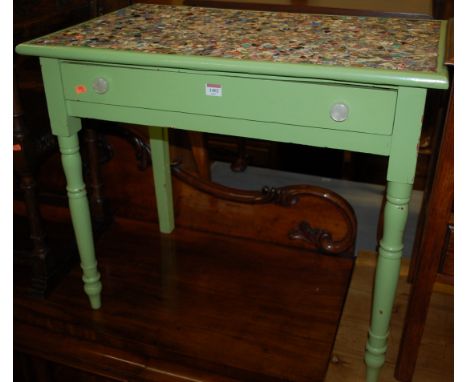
330 106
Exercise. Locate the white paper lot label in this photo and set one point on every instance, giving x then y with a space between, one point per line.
213 90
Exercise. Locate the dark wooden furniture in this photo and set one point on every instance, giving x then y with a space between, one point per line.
33 144
254 293
433 255
25 156
43 259
412 9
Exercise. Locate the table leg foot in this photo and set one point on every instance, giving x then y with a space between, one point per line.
372 374
94 300
374 358
81 217
92 284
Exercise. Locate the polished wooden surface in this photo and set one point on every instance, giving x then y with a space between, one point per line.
192 304
346 364
211 301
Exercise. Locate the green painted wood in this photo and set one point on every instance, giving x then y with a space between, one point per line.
373 144
60 122
387 275
405 139
370 109
437 80
81 218
400 176
159 142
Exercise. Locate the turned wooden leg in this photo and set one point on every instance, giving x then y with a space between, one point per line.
80 215
387 275
159 142
400 178
66 128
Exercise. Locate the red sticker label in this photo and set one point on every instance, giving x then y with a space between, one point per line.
215 90
80 89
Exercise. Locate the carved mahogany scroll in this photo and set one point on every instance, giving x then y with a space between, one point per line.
300 215
321 238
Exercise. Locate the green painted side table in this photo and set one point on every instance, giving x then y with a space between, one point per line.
351 83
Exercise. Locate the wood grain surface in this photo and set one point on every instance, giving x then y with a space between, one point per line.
192 305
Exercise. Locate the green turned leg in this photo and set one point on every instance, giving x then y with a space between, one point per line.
159 142
79 209
387 275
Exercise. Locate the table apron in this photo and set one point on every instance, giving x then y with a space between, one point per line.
369 109
287 133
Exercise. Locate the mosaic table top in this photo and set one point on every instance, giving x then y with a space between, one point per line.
348 41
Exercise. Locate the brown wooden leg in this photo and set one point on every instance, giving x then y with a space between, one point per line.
24 158
200 154
240 163
347 167
95 183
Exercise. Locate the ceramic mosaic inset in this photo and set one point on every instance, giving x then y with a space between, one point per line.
369 42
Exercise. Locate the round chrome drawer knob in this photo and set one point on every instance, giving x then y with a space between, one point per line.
100 85
339 112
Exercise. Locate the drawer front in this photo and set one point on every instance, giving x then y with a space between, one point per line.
330 106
